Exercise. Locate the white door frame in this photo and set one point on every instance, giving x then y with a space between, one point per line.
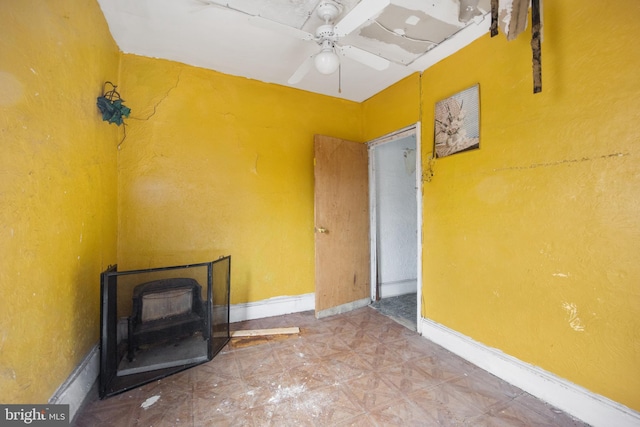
413 129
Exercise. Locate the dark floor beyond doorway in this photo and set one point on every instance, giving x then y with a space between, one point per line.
402 309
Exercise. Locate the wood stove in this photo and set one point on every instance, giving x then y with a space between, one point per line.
160 321
164 310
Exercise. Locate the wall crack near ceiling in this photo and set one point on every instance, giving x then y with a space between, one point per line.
155 108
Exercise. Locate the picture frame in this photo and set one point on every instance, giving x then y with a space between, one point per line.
457 123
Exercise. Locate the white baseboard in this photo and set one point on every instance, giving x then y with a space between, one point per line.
75 389
591 408
394 289
272 307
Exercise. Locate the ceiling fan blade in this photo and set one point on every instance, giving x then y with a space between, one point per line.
362 12
302 71
268 24
367 58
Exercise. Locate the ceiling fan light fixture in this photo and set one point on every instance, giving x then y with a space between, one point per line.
328 11
327 61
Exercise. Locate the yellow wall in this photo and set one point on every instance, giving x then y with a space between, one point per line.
394 108
217 165
532 242
57 190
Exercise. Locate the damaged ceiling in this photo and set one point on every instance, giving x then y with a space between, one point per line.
269 40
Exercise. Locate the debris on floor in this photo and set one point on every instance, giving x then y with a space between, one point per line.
251 337
149 402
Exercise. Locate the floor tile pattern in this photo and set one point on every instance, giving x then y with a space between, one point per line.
356 369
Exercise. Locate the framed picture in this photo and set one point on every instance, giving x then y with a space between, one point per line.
457 123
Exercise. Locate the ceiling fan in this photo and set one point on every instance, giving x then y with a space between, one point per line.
327 36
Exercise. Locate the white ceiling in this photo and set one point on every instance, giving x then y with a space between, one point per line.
226 36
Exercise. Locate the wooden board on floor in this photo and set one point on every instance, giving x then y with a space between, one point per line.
265 332
247 340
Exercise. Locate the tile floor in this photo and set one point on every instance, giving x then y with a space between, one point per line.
354 369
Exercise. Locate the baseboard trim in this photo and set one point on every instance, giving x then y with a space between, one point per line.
589 407
75 389
276 306
394 289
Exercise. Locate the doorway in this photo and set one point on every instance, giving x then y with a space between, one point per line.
395 225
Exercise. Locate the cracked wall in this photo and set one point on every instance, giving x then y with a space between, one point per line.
532 241
223 166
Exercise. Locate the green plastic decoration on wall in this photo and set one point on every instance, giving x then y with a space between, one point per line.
111 105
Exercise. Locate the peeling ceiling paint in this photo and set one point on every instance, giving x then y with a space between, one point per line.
222 35
391 29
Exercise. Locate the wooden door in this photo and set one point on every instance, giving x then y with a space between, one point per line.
341 195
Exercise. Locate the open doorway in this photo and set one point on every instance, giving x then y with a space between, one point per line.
395 211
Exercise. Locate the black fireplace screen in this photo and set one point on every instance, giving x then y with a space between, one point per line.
160 321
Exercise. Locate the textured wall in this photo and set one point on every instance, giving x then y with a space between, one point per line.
217 165
532 242
393 108
57 190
